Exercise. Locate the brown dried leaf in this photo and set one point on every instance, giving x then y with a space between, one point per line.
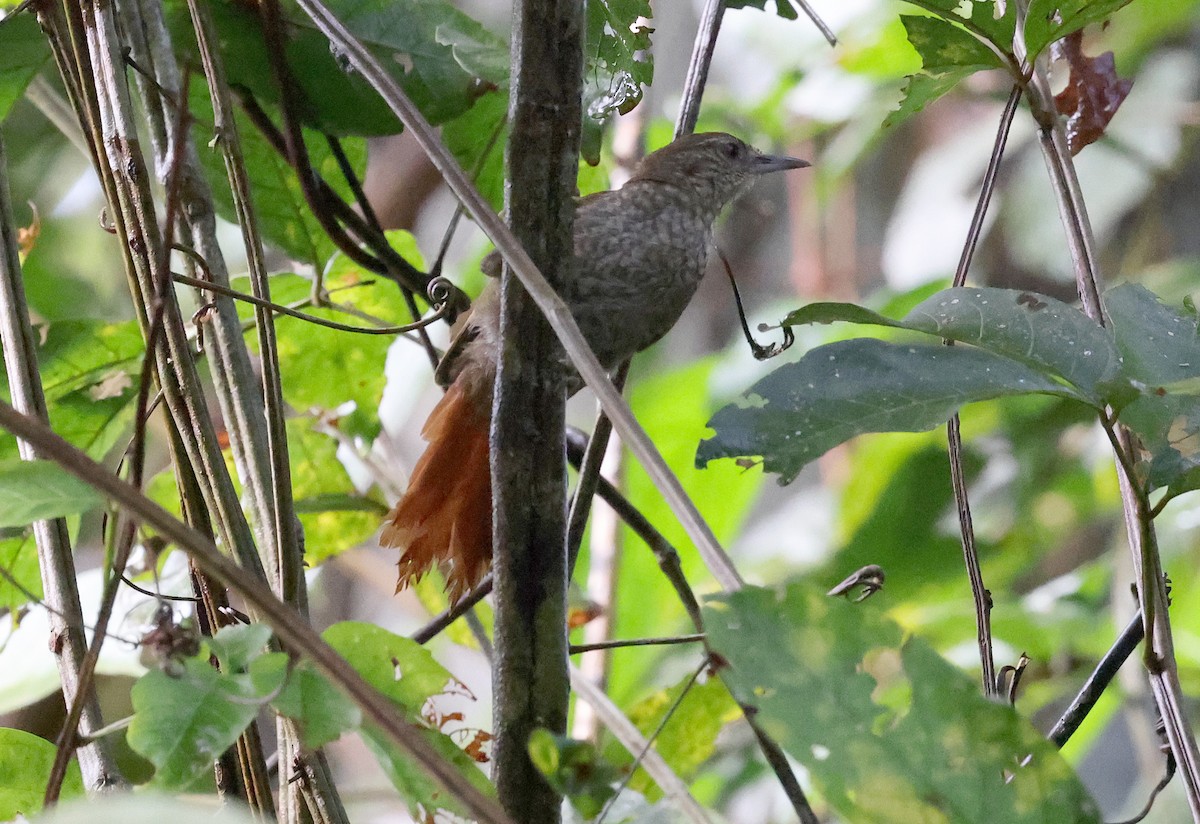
1093 94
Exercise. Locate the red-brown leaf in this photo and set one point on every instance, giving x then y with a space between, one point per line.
1093 94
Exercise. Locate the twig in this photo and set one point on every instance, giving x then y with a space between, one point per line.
1158 653
294 634
576 649
1096 683
280 309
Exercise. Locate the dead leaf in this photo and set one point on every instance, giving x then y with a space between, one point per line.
1093 93
27 235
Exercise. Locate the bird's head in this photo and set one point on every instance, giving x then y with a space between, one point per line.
714 166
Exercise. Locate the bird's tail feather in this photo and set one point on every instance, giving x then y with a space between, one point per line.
444 518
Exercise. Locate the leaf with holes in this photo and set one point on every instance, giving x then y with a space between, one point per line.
889 731
618 65
838 391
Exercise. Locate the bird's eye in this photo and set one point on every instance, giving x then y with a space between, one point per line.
733 149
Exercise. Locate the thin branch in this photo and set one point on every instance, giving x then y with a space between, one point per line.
641 756
622 643
1098 681
634 742
278 308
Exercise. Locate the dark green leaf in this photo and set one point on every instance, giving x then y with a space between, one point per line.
1049 20
23 51
619 64
575 769
39 490
783 8
889 731
182 723
25 761
321 711
948 55
1036 330
469 135
835 392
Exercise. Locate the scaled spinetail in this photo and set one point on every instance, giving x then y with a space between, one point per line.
640 252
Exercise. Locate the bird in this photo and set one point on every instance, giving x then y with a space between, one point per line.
640 252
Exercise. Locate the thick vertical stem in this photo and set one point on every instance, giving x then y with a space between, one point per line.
528 452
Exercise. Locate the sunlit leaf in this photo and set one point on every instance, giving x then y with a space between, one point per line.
25 762
40 490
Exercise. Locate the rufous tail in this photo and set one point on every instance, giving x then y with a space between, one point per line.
444 518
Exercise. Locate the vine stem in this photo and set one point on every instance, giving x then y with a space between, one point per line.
979 591
1159 654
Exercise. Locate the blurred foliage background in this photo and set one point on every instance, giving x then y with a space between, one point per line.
879 219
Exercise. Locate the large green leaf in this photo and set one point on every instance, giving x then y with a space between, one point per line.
889 731
183 721
40 490
406 673
18 559
23 51
283 214
25 762
849 388
948 55
1160 348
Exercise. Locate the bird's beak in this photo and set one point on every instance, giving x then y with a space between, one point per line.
776 163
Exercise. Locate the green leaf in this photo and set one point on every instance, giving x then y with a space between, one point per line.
399 667
1050 20
23 52
574 768
888 730
25 762
1039 331
1160 348
469 135
407 673
18 558
619 65
1036 330
236 647
182 723
849 388
40 490
321 711
689 737
948 55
